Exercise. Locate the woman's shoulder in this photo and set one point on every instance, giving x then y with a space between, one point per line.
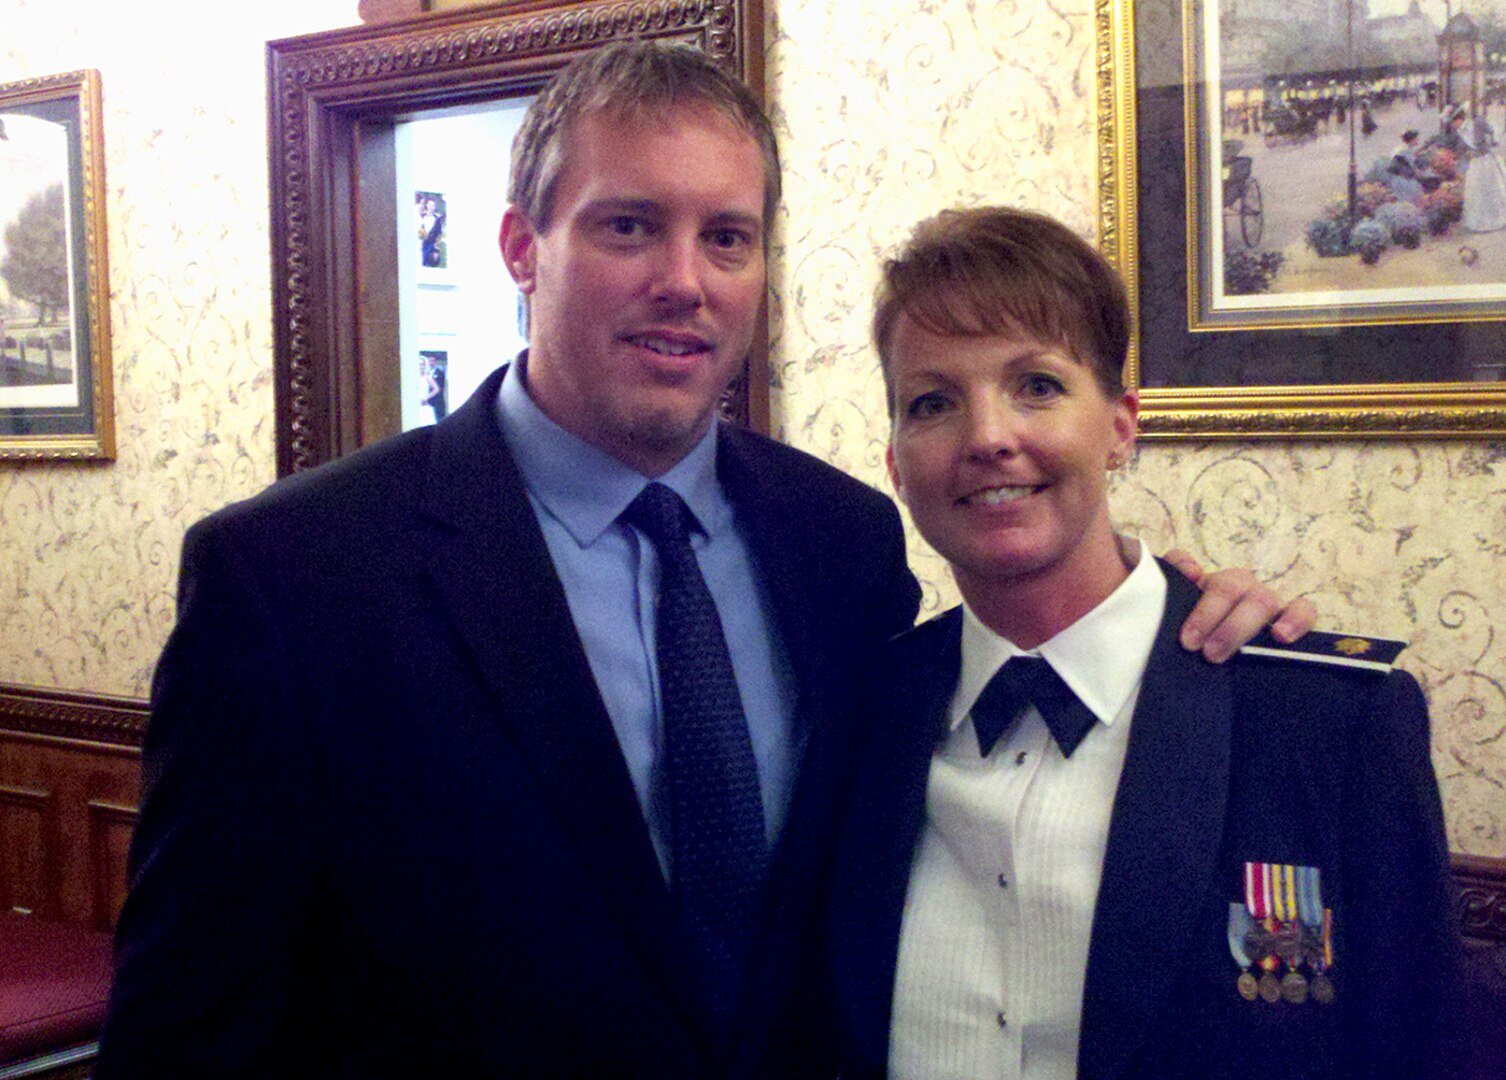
1339 682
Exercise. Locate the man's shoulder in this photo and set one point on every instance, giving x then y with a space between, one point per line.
933 643
349 492
800 474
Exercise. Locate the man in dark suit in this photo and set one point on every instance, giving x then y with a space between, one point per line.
418 796
1073 848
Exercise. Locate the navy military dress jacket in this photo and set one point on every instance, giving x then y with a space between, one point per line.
1261 760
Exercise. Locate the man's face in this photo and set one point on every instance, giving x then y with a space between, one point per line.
644 289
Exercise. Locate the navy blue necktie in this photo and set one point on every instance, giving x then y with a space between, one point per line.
719 849
1025 680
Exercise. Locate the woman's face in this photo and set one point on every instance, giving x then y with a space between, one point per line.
1000 449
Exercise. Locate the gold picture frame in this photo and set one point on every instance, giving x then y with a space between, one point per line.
55 388
1335 362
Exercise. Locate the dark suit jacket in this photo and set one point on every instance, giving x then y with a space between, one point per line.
388 830
1257 760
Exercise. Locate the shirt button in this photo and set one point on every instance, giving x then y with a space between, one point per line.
1003 1020
1019 758
1003 882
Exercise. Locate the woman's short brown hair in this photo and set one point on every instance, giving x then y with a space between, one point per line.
997 270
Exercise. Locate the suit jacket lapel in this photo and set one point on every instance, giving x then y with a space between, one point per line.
889 811
769 520
1163 844
492 572
769 523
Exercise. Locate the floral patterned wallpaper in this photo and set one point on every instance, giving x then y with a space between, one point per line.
887 111
88 553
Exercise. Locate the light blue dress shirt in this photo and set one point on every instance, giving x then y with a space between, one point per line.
609 571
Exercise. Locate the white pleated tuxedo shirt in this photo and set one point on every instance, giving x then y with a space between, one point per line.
994 947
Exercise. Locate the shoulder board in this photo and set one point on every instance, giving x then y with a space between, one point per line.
1342 650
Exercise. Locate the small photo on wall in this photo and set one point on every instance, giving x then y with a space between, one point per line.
434 381
432 211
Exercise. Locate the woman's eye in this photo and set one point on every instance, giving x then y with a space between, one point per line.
1041 387
927 405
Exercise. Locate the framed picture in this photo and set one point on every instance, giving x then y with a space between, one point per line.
343 229
1309 208
434 384
55 399
432 211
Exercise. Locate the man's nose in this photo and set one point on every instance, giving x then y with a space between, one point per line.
678 278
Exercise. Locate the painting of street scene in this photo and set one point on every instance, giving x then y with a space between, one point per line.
37 333
1350 158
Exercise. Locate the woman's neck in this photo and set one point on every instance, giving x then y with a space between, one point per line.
1033 607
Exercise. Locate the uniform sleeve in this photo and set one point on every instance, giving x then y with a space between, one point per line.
1403 940
222 858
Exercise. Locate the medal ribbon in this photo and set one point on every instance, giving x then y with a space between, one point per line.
1240 924
1284 893
1258 900
1257 890
1309 897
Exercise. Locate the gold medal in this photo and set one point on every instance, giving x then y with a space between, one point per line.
1270 988
1249 986
1293 988
1322 989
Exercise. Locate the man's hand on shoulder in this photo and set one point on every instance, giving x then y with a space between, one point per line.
1234 608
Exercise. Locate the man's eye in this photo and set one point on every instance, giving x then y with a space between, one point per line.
927 405
626 225
729 239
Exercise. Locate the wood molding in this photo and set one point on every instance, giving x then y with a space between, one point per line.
1482 897
64 714
70 780
120 722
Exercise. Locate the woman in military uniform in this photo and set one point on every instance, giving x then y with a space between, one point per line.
1073 847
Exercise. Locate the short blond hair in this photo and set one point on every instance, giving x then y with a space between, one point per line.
631 78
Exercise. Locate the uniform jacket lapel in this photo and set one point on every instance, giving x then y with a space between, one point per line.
492 572
1163 845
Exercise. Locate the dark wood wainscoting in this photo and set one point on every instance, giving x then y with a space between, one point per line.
70 783
1482 898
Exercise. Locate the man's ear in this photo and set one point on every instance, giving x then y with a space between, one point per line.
518 240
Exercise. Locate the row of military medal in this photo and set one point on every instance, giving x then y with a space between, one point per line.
1282 923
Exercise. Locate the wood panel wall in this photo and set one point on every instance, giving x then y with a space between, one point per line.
70 784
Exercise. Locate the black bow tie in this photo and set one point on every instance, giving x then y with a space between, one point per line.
1025 680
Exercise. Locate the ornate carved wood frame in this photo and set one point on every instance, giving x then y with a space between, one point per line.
333 99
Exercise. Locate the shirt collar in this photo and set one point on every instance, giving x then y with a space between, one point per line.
1101 656
584 487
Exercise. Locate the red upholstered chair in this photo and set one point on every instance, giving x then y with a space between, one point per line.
54 983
